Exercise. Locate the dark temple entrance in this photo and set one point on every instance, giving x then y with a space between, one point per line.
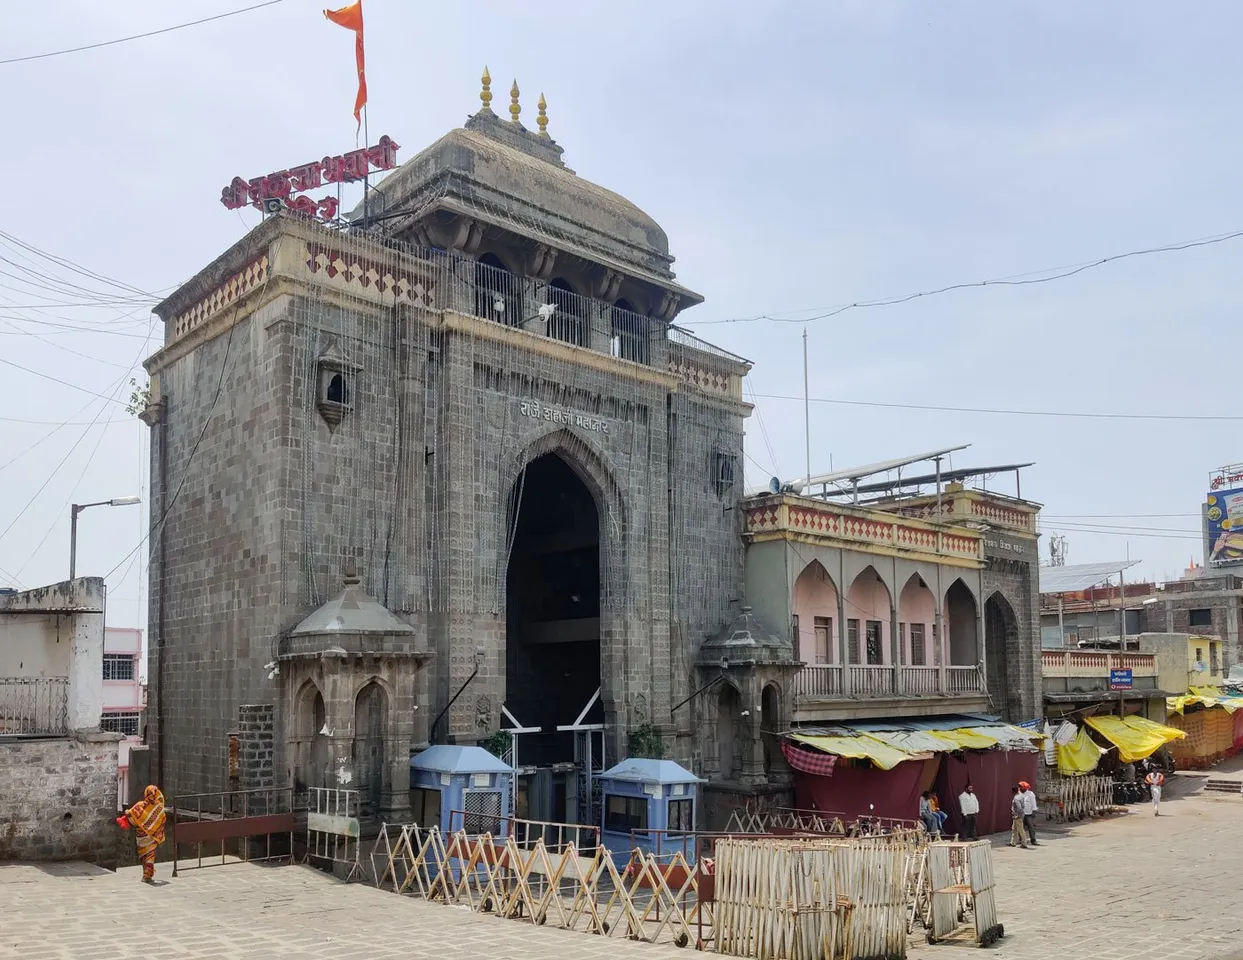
552 654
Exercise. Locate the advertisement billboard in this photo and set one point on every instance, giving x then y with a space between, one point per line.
1223 526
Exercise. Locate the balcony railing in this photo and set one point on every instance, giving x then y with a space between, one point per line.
871 681
961 681
390 271
921 681
831 682
820 680
1094 663
34 706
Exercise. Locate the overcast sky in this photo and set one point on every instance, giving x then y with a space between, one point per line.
801 156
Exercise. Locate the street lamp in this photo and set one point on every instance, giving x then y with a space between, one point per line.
77 508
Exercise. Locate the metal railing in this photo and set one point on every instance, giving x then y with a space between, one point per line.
493 293
34 706
234 820
685 338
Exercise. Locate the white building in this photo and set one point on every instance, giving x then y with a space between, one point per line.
124 696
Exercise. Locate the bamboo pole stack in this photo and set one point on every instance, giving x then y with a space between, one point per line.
839 899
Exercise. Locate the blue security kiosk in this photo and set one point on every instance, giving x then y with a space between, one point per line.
461 788
648 805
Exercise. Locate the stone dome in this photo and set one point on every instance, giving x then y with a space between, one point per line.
501 174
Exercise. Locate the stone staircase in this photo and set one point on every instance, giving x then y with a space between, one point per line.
1219 786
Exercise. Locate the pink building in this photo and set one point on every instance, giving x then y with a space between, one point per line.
125 695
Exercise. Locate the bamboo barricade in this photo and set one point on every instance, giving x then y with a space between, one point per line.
962 888
1076 798
769 820
646 899
778 899
812 897
767 897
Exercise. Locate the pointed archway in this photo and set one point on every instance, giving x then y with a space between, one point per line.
815 613
370 723
553 622
1001 636
962 625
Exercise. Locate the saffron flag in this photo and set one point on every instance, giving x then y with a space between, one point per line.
351 18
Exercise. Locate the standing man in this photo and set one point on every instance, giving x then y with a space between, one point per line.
1029 811
1018 835
969 805
1155 781
926 815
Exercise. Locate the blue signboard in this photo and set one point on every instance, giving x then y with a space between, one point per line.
1120 680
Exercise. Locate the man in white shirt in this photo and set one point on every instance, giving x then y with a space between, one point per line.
969 804
1155 781
1029 810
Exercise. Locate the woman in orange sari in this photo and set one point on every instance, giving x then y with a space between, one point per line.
147 818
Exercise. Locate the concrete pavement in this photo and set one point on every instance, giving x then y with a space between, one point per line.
1128 888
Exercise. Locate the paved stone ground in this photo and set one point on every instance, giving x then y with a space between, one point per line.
1125 889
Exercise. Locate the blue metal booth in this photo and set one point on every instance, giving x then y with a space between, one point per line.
649 805
461 788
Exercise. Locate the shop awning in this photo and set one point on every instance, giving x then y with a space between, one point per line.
1135 737
887 748
1079 755
862 747
1206 697
914 741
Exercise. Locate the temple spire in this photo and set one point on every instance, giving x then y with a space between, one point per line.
542 119
514 108
485 95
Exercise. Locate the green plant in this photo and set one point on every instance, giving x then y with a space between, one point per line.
645 741
139 398
497 744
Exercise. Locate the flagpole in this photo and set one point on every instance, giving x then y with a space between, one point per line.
366 174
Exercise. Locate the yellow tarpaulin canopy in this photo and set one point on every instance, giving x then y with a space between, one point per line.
1081 755
1206 696
861 747
887 749
1135 737
968 739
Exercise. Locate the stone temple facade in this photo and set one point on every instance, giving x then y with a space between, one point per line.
448 470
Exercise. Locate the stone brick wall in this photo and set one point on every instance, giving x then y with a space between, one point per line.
1013 666
58 798
1172 614
218 594
412 487
256 740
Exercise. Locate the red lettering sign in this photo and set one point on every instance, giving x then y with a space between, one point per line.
284 184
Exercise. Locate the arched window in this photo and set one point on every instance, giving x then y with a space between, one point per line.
338 390
569 321
498 293
629 333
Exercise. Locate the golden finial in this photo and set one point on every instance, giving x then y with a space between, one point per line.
485 95
542 119
514 109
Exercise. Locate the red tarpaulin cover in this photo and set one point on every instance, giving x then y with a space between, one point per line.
895 793
1238 728
992 773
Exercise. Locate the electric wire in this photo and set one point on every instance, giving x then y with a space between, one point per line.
1014 280
137 36
943 408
